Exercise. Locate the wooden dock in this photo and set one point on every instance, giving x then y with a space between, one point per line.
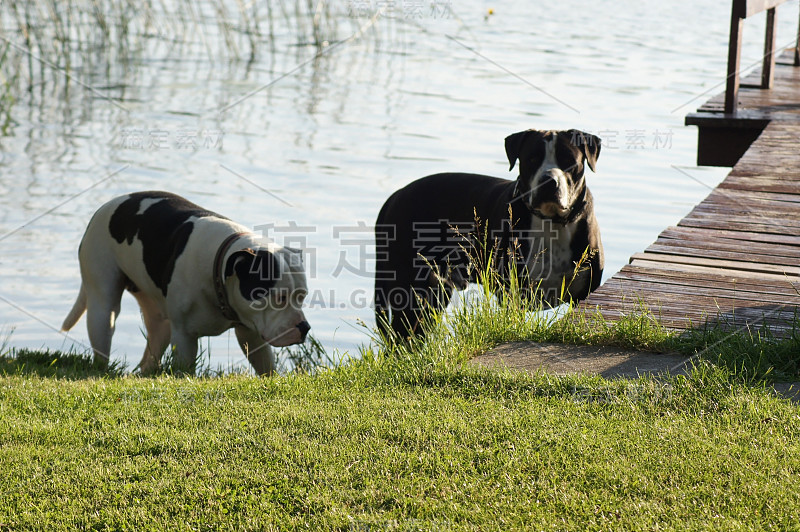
735 258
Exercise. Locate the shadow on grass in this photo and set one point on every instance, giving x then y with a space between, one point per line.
307 358
56 364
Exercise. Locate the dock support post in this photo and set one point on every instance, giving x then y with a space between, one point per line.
768 68
797 47
734 52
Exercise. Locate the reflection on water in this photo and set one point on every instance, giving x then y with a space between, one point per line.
300 118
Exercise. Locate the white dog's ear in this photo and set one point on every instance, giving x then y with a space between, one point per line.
237 260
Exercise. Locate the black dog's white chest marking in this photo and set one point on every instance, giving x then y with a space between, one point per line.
550 258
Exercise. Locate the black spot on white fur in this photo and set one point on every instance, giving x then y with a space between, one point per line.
258 271
163 228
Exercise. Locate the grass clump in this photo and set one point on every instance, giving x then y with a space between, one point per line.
750 355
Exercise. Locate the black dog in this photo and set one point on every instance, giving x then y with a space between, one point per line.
426 232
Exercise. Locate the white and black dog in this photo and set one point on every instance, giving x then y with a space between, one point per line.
544 222
194 273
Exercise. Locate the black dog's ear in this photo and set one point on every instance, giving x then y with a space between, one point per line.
513 145
588 144
257 271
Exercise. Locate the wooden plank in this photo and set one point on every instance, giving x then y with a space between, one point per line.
766 167
710 281
763 198
697 294
667 305
764 253
712 222
793 271
772 317
630 303
766 158
776 318
783 188
678 293
759 212
693 233
766 153
737 213
778 322
740 256
776 254
762 177
695 268
671 321
613 314
750 201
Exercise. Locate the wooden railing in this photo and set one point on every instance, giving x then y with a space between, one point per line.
741 10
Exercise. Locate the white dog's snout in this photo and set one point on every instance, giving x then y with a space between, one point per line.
296 334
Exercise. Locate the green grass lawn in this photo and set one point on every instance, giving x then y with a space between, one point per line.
411 437
361 449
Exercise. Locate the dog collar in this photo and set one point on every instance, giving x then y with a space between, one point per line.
219 283
574 213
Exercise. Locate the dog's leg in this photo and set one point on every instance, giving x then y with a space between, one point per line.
381 308
185 360
257 351
158 334
405 323
103 304
416 304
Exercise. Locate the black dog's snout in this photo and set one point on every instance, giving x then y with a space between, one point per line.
549 180
304 328
546 189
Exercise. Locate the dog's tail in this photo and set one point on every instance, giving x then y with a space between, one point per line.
77 311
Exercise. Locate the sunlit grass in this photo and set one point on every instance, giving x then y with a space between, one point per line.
397 441
409 436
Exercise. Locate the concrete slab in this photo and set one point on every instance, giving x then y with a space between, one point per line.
609 362
788 390
561 359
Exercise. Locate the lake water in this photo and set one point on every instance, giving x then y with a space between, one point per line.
301 130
